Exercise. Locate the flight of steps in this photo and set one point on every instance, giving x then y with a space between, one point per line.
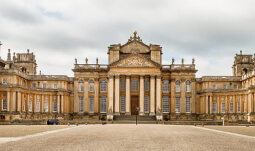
131 119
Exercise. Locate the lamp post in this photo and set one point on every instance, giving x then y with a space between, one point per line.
137 109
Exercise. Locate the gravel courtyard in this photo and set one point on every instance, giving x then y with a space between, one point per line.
132 137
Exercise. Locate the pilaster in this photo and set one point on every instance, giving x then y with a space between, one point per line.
210 104
58 104
141 95
62 104
117 95
128 94
152 95
86 95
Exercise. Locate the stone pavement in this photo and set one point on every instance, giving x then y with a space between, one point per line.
133 137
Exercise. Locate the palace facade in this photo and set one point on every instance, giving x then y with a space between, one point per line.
133 82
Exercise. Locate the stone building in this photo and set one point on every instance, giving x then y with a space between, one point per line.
133 82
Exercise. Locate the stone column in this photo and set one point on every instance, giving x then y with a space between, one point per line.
152 95
86 95
19 101
58 104
76 96
42 104
226 104
206 105
210 104
62 103
234 103
172 101
117 95
111 99
141 95
218 104
249 110
14 101
34 103
183 98
241 104
193 98
128 95
158 95
8 100
50 105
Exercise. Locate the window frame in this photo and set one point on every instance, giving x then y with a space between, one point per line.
122 84
214 107
91 86
46 106
37 106
188 105
122 104
231 107
177 86
54 106
81 104
146 104
55 86
223 107
165 104
146 85
165 86
134 84
103 104
214 86
4 105
103 86
177 105
44 85
81 85
188 86
91 104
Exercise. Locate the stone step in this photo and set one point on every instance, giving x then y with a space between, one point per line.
133 118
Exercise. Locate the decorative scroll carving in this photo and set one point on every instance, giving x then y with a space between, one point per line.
135 61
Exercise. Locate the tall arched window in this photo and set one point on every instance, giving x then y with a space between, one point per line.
177 86
122 84
165 86
187 86
91 86
134 85
103 86
81 86
146 85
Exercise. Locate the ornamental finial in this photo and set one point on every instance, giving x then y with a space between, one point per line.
135 32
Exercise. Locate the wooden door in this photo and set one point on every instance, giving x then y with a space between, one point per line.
134 104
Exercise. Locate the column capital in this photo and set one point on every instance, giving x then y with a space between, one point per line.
128 75
159 76
96 78
193 79
141 75
183 79
172 79
86 79
117 76
110 76
152 75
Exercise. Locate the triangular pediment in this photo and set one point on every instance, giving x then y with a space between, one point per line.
137 46
135 60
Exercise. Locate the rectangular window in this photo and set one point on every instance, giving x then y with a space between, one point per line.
165 104
225 86
55 86
55 107
214 86
222 107
166 86
134 85
33 85
122 84
177 105
37 106
214 107
4 80
44 85
146 85
91 104
24 106
123 104
103 86
4 104
235 86
103 104
46 108
188 105
30 106
238 107
46 96
91 86
244 106
80 103
146 104
231 107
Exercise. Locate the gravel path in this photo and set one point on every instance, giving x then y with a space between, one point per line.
132 137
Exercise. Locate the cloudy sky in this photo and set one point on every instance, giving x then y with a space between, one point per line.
59 31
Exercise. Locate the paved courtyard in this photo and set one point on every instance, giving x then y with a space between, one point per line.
130 137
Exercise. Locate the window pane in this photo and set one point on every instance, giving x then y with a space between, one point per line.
177 86
134 85
37 106
231 107
30 106
81 86
165 86
122 85
188 105
103 104
55 107
103 86
146 85
238 107
188 86
222 107
91 104
177 105
165 104
214 108
4 103
80 103
146 104
45 106
122 104
91 86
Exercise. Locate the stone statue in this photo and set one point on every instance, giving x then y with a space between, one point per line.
172 60
193 61
97 61
182 61
75 60
86 60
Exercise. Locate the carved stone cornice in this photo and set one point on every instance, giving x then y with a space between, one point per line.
172 79
193 79
86 79
183 79
152 75
96 78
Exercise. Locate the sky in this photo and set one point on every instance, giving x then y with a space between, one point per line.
57 32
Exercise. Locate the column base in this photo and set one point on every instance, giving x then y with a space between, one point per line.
251 118
127 113
109 117
152 113
141 113
117 113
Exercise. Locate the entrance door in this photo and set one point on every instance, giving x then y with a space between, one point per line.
134 104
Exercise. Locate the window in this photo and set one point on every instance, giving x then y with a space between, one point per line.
46 96
33 85
80 103
165 86
91 104
231 107
177 105
222 98
244 106
31 96
44 86
238 107
103 86
37 106
222 107
54 97
30 106
165 104
230 98
38 96
122 84
214 109
81 86
91 86
188 105
103 104
24 106
55 107
134 85
4 80
177 86
46 107
225 86
55 86
146 104
214 86
214 98
188 86
146 85
4 104
122 103
235 86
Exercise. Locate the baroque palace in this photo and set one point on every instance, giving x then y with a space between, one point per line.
133 82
